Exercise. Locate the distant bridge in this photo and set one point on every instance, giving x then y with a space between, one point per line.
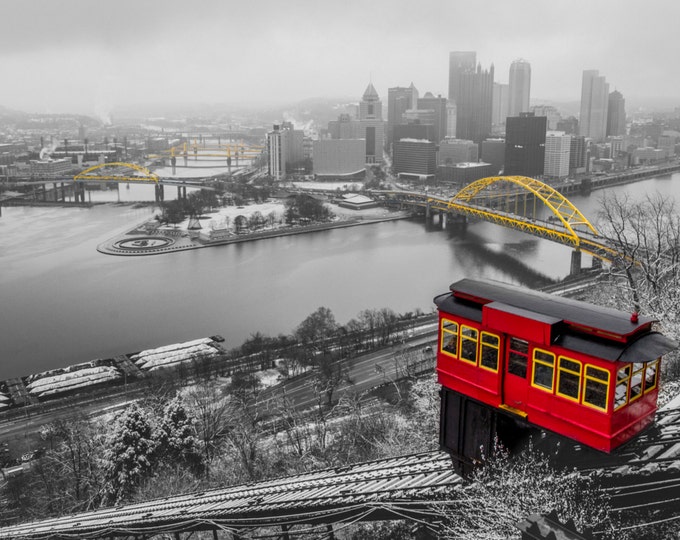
487 200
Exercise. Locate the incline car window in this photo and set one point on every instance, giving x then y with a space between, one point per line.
596 386
544 369
518 357
488 358
468 344
449 342
634 380
652 375
569 378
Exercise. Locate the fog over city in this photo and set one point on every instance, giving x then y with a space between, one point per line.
93 57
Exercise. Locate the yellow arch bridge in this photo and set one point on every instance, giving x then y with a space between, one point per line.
133 174
490 199
120 172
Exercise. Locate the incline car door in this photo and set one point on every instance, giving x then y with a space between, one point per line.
515 380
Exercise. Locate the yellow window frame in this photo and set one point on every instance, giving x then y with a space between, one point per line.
654 363
483 345
578 374
595 380
633 373
541 362
447 332
625 379
464 338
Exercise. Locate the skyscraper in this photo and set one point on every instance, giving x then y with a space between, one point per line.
438 106
459 62
616 115
474 104
370 107
500 104
557 150
371 124
399 100
520 85
276 147
525 145
594 104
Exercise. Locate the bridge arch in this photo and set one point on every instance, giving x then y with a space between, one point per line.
559 205
147 175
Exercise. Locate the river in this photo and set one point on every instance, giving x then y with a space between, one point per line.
62 302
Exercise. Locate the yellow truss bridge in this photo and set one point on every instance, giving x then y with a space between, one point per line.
487 199
93 174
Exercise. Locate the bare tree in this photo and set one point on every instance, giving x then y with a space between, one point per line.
212 412
647 237
509 488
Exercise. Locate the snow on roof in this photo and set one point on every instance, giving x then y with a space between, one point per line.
356 198
170 355
69 381
173 357
415 140
172 347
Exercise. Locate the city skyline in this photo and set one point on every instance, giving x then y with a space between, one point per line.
75 56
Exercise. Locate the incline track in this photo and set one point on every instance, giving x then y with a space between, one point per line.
643 475
396 488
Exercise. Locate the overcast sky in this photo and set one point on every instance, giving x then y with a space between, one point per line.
91 56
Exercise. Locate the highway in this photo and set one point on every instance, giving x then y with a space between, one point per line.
365 372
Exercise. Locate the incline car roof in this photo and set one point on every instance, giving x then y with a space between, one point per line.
573 312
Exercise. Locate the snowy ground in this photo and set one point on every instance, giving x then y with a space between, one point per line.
225 216
329 186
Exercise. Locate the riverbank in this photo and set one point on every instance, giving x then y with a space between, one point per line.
140 241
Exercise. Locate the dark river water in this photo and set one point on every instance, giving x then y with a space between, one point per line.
62 302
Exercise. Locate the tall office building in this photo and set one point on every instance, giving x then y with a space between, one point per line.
525 145
399 100
459 62
451 115
616 115
369 126
594 104
438 107
557 151
276 147
294 143
519 87
500 104
452 151
415 158
474 104
578 155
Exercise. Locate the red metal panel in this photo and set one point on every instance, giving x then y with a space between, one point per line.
518 322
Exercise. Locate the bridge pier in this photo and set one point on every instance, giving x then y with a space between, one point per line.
159 193
442 219
79 192
575 262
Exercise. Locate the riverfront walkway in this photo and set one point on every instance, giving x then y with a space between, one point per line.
137 241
